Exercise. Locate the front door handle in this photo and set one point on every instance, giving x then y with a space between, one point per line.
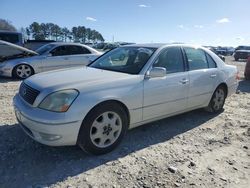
66 58
184 81
213 75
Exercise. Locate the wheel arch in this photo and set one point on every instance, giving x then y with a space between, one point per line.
112 101
224 85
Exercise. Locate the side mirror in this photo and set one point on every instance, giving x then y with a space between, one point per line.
156 72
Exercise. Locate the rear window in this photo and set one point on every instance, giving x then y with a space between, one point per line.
9 37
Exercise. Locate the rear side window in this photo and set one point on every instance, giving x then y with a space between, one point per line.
196 58
211 63
171 59
78 50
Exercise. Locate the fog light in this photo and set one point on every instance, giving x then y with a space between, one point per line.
50 137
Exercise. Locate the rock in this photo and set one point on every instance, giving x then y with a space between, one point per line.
223 178
238 92
191 164
230 162
245 147
177 184
235 168
172 169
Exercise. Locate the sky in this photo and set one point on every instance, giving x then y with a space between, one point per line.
204 22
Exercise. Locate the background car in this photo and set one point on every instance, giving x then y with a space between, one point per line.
247 69
12 37
126 87
215 51
23 63
242 52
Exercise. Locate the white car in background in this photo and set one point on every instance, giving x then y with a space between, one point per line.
20 62
93 106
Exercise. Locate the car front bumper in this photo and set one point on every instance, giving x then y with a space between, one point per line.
46 127
5 71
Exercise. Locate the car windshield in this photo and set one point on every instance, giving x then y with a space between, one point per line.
124 59
44 48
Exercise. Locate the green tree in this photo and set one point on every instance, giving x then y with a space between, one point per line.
6 25
56 31
35 29
65 34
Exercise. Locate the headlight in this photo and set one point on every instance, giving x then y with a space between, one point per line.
59 101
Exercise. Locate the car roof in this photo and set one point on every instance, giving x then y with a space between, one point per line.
147 45
66 43
159 45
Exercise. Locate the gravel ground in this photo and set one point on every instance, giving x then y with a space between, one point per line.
195 149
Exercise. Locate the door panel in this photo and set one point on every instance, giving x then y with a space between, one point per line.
54 62
165 95
79 60
202 76
202 85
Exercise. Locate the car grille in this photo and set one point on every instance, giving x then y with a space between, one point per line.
28 93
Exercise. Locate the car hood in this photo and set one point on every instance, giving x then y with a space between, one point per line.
81 78
10 51
4 46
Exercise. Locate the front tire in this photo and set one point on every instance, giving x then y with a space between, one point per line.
22 71
103 128
217 101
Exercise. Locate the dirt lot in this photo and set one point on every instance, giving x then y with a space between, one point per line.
195 149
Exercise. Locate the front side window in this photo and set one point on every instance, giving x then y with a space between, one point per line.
196 58
171 59
125 59
45 48
60 51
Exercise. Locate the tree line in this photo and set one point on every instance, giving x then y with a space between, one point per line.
51 31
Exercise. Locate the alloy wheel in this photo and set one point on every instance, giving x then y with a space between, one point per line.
23 71
219 99
106 129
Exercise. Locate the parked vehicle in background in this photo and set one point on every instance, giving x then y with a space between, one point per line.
99 46
12 37
241 52
126 87
247 69
214 51
230 50
110 46
22 62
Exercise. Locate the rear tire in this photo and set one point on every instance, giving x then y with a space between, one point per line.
103 128
217 101
22 71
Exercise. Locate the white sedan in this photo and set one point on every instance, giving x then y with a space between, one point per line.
20 62
129 86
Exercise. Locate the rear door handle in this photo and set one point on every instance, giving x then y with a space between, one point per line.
213 75
184 81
